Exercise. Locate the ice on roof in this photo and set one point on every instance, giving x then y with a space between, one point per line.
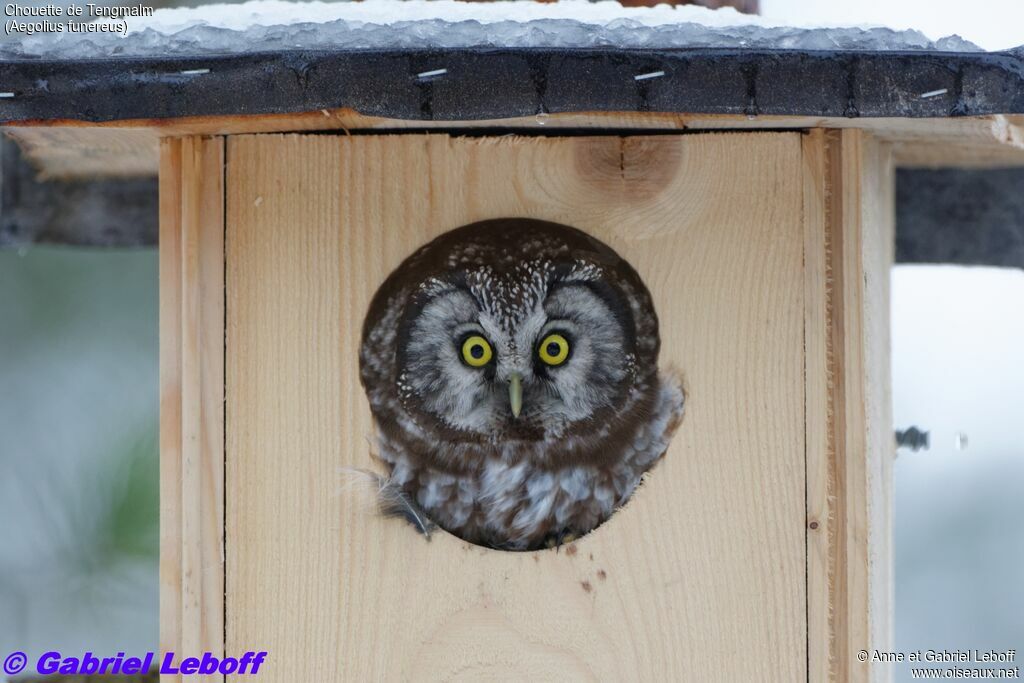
274 25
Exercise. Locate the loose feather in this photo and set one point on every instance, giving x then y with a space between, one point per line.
392 500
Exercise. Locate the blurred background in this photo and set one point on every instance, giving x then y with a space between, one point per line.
79 413
79 404
958 370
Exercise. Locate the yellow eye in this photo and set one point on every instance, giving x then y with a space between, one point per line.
554 349
476 351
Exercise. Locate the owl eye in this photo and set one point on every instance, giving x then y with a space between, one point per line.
554 349
476 351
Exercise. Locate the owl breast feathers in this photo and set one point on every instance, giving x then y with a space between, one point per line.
511 369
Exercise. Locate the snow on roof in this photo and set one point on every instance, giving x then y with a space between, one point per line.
275 25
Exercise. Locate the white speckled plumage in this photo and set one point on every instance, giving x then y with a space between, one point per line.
589 428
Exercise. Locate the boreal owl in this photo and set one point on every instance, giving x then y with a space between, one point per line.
511 369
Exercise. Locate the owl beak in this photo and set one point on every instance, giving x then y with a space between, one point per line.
515 393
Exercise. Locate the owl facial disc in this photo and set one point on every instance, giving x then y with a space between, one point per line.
511 368
518 334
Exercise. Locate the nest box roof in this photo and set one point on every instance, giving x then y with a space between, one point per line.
445 60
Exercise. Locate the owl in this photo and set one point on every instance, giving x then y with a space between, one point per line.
511 368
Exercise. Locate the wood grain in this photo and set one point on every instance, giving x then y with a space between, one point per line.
192 398
871 483
77 149
700 577
818 361
849 214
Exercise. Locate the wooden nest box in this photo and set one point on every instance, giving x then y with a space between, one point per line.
752 190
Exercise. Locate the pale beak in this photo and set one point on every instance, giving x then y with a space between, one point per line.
515 393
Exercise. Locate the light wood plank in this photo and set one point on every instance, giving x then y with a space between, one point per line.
700 577
818 410
170 394
192 397
864 432
76 149
874 500
849 250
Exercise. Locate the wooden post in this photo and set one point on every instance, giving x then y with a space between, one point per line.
757 550
192 396
849 211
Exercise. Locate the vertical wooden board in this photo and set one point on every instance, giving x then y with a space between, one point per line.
818 359
170 394
848 208
878 174
287 428
192 398
868 226
700 577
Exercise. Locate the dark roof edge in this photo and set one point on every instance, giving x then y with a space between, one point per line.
493 83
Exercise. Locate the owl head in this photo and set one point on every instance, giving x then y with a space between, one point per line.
510 330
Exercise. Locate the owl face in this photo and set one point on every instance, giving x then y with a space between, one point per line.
530 338
511 369
531 351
